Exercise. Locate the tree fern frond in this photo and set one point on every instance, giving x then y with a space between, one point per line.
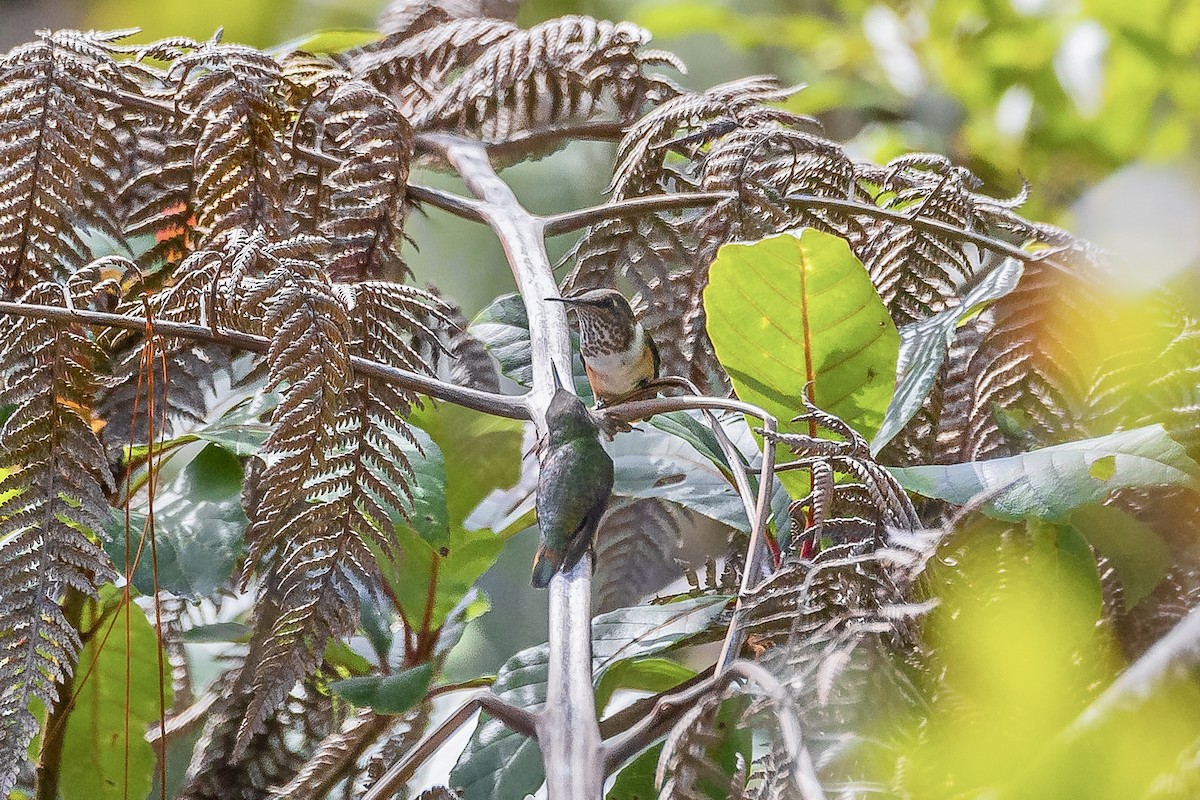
412 16
363 209
413 67
869 504
689 767
563 69
319 515
233 96
688 122
55 478
58 155
1024 375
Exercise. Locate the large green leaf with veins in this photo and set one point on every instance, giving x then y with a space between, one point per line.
797 309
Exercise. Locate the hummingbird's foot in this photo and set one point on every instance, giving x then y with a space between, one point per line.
609 425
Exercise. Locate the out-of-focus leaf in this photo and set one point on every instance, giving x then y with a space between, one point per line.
924 344
199 526
499 763
1052 482
387 694
218 632
334 40
1136 552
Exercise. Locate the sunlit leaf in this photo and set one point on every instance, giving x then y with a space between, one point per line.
799 309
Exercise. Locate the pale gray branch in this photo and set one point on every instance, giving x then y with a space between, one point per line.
569 733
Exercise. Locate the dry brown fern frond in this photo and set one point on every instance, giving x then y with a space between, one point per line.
1024 375
687 123
59 155
871 503
763 166
414 67
565 69
54 506
362 213
234 97
916 271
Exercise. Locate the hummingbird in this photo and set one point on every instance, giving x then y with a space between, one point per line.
618 354
574 485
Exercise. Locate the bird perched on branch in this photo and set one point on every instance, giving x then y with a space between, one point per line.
574 484
619 356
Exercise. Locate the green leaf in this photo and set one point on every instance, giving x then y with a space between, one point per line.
688 426
637 780
94 746
199 527
1139 556
453 571
480 453
1075 575
1052 482
387 694
499 763
218 632
650 463
644 675
467 456
924 344
240 430
696 433
503 328
428 514
799 308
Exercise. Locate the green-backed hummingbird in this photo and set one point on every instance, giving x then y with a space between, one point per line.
574 484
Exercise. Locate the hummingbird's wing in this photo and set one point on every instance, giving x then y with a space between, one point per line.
573 491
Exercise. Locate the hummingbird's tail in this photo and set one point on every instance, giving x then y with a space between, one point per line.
544 566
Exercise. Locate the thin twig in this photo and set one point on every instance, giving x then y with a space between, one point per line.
568 221
757 551
487 402
518 719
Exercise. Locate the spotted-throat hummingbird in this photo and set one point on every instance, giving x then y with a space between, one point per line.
618 354
574 484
